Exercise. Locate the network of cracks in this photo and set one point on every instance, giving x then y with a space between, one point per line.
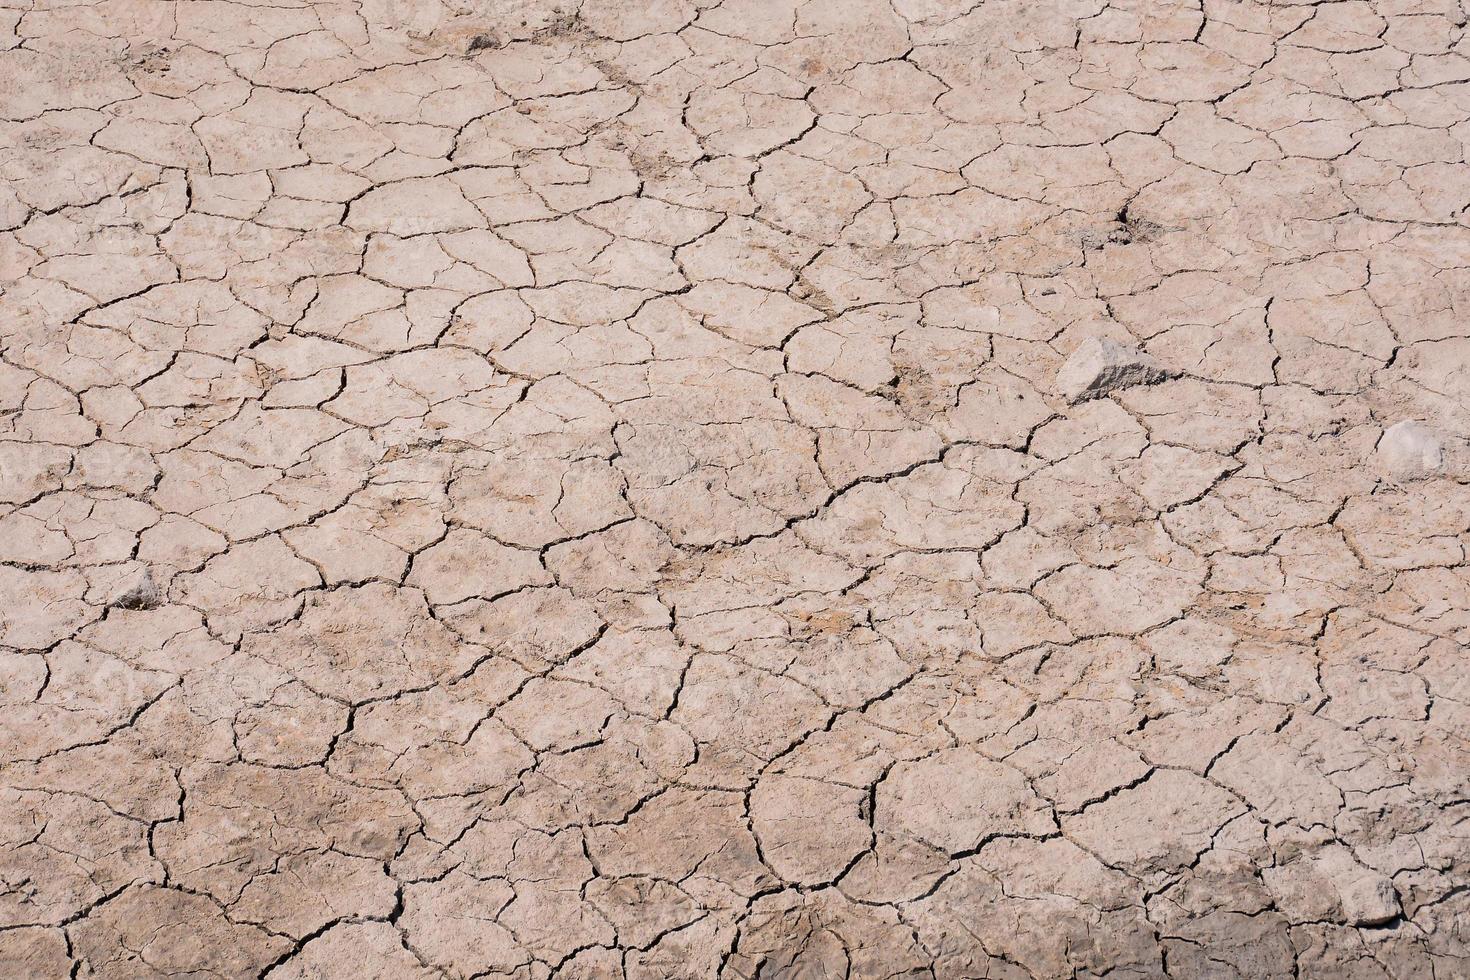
734 488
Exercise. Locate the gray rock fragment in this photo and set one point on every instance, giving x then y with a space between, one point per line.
1369 900
1331 885
143 593
1099 366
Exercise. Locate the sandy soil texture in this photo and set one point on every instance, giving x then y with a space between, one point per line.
797 489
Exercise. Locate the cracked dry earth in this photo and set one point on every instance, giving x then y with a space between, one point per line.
734 488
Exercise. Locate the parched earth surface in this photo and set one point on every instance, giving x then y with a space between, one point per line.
734 488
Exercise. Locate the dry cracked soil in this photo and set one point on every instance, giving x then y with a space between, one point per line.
734 488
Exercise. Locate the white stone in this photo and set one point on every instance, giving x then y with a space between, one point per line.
1099 366
1411 451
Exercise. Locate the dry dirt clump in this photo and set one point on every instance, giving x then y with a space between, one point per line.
734 488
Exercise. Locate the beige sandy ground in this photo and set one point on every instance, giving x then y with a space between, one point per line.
641 491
